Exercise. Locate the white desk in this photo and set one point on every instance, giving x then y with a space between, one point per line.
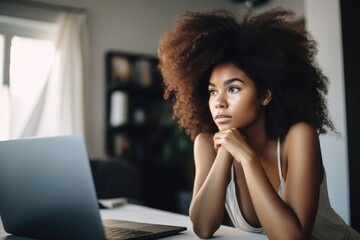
144 214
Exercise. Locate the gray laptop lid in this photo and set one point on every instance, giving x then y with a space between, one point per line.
47 192
31 206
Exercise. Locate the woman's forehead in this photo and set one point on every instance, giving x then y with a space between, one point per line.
228 71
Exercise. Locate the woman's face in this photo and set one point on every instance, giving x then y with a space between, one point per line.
233 100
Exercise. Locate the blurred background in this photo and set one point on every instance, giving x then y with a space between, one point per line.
89 67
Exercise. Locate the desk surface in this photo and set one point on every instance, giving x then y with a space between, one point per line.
144 214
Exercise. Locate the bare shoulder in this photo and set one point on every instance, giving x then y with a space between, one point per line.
204 147
204 139
301 135
302 129
302 148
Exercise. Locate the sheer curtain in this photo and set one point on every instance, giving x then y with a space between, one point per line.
60 107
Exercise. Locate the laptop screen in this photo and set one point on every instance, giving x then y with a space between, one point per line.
47 189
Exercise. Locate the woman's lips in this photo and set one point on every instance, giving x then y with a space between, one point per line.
221 118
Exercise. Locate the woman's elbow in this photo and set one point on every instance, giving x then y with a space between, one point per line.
203 229
203 232
204 225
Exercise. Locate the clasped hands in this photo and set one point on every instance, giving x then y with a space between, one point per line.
235 143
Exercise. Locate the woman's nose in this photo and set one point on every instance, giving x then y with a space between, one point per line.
220 102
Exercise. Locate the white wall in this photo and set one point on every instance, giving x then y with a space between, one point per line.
323 20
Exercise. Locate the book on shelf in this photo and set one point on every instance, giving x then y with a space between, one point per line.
121 70
122 145
118 108
143 72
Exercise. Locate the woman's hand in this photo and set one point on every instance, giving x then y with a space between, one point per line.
235 143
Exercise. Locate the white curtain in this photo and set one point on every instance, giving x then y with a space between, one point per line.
60 106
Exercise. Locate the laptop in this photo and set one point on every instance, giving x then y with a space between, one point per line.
47 192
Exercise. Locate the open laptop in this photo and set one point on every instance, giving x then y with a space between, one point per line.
47 192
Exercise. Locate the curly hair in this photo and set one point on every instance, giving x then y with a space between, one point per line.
267 47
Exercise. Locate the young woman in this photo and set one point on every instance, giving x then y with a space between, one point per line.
251 97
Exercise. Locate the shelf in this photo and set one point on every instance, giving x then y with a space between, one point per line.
139 127
143 127
139 124
153 92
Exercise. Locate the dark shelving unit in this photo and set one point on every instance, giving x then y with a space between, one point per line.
140 129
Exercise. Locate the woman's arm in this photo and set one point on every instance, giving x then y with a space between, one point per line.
293 217
211 181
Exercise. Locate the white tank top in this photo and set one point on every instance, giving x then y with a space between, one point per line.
328 224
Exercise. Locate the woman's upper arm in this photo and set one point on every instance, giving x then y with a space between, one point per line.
204 155
304 173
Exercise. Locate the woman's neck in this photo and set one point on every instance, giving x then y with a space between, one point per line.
256 136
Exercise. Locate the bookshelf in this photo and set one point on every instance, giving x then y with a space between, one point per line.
140 128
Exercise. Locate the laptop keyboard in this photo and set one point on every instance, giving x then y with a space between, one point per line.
123 233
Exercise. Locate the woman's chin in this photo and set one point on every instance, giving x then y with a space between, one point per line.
224 127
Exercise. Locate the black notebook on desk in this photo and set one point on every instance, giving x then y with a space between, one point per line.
47 192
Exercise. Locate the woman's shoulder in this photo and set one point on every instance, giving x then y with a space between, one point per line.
302 152
204 143
204 150
302 141
301 131
204 138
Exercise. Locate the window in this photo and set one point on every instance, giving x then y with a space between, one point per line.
30 62
26 55
44 68
2 41
4 103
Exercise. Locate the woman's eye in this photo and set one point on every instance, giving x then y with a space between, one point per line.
212 92
234 89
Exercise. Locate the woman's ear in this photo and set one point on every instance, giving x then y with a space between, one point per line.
266 98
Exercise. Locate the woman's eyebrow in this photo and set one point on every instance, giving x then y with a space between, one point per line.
228 82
